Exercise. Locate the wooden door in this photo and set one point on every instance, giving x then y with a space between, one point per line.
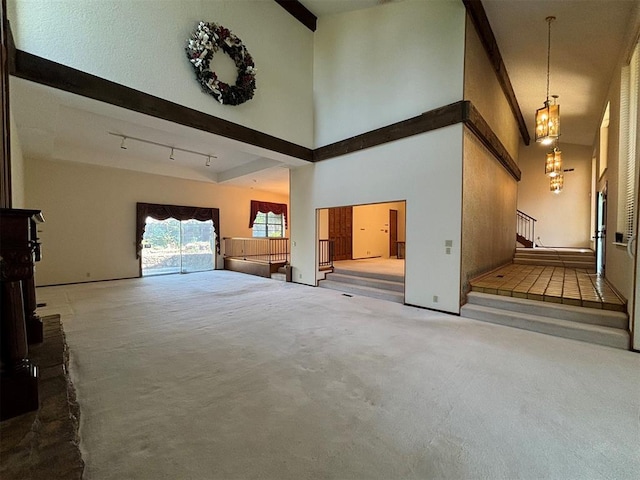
393 233
341 231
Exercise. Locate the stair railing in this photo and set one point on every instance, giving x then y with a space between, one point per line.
325 254
525 229
261 250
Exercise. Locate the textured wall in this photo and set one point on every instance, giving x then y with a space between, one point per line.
482 88
381 65
90 215
141 44
564 219
488 212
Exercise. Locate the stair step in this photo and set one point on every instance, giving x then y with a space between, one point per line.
555 252
610 337
592 316
548 256
364 291
555 263
379 276
366 282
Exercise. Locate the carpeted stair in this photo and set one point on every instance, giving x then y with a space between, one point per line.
556 258
368 284
602 327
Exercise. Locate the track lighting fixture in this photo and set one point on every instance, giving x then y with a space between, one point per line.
208 156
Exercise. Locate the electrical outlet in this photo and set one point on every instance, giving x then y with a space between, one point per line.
435 299
300 276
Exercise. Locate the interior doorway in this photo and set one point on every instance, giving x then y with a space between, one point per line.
363 232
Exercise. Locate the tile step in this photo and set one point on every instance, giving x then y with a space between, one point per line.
545 256
596 334
587 265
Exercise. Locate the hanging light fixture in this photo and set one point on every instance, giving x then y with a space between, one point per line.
171 157
553 165
548 117
122 145
556 183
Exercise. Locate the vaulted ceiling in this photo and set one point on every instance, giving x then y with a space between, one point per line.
586 43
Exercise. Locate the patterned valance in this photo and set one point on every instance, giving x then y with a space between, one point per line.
266 207
162 212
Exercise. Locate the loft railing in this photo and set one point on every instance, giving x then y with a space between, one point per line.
262 250
325 254
525 229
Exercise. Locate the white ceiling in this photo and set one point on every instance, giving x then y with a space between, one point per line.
587 39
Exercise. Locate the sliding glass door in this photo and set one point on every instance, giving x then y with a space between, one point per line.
173 246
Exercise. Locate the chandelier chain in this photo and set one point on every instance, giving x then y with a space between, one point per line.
549 20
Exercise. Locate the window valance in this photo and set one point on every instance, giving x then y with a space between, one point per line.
266 207
162 212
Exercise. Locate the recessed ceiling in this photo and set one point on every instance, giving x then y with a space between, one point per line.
60 126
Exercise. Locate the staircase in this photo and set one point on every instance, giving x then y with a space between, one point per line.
551 291
602 327
367 284
570 258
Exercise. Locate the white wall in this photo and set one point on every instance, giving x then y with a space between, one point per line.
385 64
426 171
563 219
90 215
141 44
371 229
17 167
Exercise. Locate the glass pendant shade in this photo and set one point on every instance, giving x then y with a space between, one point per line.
548 117
556 183
548 122
553 165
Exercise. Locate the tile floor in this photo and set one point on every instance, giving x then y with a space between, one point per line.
570 286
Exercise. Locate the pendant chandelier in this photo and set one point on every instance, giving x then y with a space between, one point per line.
548 117
556 183
553 165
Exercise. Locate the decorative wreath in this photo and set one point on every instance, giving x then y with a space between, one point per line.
204 42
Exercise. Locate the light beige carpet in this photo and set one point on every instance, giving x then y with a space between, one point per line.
221 375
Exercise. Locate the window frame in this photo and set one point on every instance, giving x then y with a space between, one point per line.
279 222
